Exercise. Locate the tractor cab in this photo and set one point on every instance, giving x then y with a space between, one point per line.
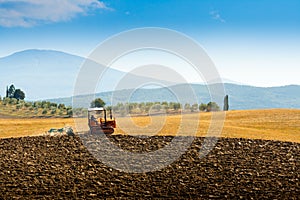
98 121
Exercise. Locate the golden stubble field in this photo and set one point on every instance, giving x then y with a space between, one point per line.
274 124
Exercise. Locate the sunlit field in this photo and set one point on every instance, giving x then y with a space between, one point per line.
276 124
29 127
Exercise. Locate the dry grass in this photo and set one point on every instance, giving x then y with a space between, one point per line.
275 124
28 127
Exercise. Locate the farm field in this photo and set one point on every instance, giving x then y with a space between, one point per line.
30 127
275 124
66 167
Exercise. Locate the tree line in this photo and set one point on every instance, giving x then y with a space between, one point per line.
16 97
38 107
145 107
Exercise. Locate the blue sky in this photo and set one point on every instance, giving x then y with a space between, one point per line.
254 42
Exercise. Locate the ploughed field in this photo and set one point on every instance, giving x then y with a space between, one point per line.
62 167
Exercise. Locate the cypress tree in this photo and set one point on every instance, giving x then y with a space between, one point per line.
226 104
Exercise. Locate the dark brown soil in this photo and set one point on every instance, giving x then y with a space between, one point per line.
62 168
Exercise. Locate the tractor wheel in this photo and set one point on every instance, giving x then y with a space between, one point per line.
108 131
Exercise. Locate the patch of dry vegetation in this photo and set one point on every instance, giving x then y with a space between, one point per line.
28 127
274 124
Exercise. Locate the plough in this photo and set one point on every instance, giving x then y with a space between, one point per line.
68 130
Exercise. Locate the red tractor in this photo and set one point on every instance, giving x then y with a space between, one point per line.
98 122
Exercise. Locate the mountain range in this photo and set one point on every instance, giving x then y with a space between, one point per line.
51 75
241 97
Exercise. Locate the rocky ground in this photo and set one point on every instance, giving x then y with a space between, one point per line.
62 167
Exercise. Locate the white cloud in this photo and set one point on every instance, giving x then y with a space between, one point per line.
216 15
26 13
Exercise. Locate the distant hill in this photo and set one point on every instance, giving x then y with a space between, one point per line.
40 72
241 97
44 74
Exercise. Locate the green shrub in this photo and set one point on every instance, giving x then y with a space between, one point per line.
53 111
19 106
12 101
28 104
